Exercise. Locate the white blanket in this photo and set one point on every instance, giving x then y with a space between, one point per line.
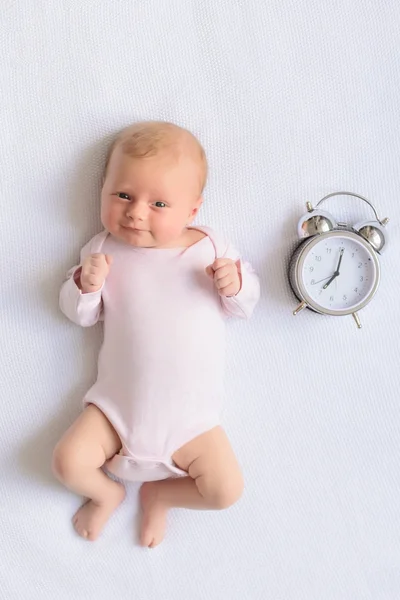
292 100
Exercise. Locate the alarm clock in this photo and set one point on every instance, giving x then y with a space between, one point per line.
335 269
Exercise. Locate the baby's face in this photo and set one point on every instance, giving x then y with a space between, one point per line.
148 202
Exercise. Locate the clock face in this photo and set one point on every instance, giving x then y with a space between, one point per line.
339 273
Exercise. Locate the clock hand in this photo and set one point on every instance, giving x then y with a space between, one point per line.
330 281
337 272
319 281
340 260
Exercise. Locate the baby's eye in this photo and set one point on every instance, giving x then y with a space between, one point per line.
123 196
160 204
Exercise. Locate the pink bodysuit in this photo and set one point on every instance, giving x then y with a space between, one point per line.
161 365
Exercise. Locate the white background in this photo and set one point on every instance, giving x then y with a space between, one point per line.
292 100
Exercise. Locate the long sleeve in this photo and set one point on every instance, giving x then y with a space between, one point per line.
242 305
82 309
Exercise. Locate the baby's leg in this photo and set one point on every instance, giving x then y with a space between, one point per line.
77 459
214 482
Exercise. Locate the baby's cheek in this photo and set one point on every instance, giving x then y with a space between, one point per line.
108 215
169 228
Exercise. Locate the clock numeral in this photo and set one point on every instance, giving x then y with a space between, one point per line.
328 250
318 258
352 256
361 278
356 290
312 281
359 265
311 269
331 298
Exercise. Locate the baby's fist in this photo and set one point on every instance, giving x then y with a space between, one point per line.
226 275
95 269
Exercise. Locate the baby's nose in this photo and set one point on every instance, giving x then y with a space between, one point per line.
137 210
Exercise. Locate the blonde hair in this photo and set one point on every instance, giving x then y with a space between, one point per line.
152 138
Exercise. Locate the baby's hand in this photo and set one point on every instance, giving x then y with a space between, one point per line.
226 276
95 269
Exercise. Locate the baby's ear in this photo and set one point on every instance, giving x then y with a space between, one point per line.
195 209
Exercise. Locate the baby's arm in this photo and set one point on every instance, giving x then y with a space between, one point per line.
237 283
80 295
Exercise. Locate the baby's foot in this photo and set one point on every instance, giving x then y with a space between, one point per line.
91 517
154 516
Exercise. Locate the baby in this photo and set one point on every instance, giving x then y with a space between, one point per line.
163 290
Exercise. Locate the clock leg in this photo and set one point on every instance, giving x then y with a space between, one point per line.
300 308
357 320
